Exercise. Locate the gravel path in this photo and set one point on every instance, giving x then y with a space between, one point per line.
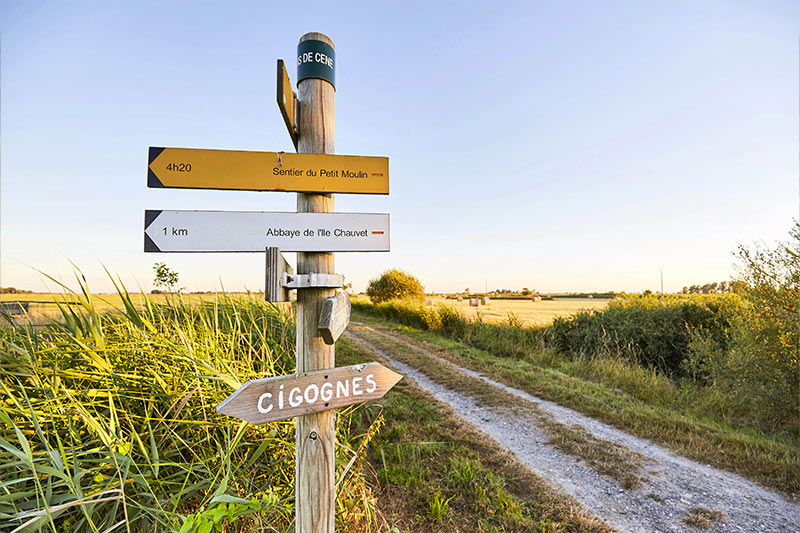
672 486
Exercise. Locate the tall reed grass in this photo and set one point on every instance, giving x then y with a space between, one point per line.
108 421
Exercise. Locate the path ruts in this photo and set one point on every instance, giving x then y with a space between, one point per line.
671 485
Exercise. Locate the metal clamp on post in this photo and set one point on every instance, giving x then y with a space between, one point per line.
312 281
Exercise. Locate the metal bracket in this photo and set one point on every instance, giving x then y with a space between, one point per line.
312 281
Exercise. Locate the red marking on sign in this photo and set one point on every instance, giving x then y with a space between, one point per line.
377 173
377 233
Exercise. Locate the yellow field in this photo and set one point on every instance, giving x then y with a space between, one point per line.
42 306
527 312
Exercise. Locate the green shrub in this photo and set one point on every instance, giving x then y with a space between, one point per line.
395 284
758 368
653 331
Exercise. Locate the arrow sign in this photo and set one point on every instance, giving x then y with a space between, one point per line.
188 168
265 400
254 231
334 317
287 102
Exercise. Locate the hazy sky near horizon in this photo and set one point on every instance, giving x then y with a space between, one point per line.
560 146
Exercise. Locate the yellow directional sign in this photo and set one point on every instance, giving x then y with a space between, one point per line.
189 168
287 102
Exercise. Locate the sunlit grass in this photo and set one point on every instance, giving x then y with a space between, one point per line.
108 419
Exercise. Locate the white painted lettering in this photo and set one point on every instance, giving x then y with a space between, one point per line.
342 389
261 408
356 390
280 398
313 387
294 402
371 383
326 395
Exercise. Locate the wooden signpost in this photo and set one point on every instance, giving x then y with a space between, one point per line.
260 401
314 231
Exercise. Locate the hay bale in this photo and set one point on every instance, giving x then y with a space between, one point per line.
428 301
473 302
460 298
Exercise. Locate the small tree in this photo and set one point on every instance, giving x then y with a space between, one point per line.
165 277
394 284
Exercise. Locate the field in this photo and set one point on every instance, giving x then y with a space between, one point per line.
527 312
42 306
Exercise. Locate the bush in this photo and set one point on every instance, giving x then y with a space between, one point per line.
650 330
395 284
759 367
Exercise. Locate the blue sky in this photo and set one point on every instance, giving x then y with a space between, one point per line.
553 145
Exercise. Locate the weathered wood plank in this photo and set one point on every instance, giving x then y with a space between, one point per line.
274 291
260 401
334 317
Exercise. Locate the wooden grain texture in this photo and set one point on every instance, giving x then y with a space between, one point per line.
334 317
314 433
260 401
274 291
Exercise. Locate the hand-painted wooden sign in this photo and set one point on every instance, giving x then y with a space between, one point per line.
254 231
265 400
334 317
190 168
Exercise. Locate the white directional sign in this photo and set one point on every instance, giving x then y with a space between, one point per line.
254 231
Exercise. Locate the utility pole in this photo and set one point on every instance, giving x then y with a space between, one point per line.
314 433
662 281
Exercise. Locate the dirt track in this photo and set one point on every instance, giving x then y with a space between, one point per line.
672 485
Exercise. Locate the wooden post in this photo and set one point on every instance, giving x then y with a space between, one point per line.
314 433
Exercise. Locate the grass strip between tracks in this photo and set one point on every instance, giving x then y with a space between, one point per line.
433 472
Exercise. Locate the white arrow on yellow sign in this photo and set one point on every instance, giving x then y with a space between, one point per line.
189 168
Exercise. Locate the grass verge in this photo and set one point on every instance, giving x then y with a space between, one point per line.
435 473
